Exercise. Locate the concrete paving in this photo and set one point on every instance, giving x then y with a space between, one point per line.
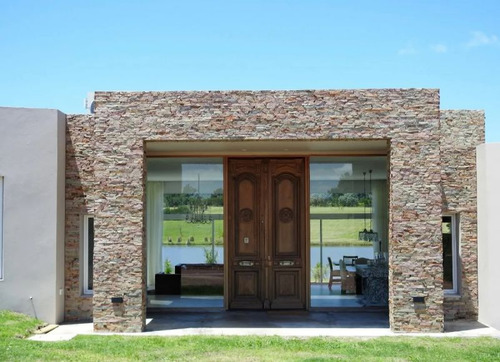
286 324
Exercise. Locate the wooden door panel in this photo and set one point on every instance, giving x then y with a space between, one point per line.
247 226
266 233
246 290
288 234
288 289
245 249
285 220
246 283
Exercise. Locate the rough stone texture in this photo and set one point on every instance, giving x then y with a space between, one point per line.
461 132
79 185
110 181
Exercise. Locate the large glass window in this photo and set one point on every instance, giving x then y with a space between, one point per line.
348 231
449 227
88 254
184 208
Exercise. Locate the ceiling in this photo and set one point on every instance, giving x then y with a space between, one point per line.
266 148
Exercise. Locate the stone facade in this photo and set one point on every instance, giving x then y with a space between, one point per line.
106 167
79 185
461 132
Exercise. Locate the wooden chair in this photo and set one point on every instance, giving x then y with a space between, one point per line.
334 274
347 279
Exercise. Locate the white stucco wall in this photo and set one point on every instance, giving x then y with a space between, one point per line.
32 164
488 172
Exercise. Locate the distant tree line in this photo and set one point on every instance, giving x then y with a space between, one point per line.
342 195
179 203
336 199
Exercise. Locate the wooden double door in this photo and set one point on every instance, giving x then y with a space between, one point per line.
266 233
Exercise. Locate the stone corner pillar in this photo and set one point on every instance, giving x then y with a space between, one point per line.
119 280
415 239
119 303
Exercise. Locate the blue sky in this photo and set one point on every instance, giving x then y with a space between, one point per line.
53 52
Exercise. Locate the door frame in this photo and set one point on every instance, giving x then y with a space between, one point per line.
307 248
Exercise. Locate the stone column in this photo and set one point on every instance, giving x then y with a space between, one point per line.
119 251
415 247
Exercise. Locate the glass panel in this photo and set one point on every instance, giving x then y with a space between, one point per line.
90 253
1 226
349 230
446 227
192 227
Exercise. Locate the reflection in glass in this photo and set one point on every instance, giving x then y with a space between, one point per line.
185 224
446 227
347 196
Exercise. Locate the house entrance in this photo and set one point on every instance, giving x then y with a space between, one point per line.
266 233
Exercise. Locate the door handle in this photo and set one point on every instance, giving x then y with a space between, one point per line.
246 263
287 263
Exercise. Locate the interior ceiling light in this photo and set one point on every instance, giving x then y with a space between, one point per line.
365 234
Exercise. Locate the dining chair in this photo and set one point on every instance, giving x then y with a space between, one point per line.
334 274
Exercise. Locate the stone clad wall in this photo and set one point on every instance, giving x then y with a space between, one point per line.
461 132
79 186
409 118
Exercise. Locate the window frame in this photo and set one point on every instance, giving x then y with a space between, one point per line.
85 259
454 229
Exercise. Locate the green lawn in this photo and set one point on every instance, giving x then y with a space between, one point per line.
338 232
194 234
335 232
246 348
337 210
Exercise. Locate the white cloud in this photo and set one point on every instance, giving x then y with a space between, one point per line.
408 49
439 48
479 39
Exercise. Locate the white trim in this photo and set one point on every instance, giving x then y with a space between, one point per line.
85 259
454 245
1 229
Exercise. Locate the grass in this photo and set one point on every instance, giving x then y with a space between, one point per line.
343 232
339 232
337 210
195 234
244 348
15 325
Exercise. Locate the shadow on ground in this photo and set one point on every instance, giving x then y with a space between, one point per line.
265 319
463 325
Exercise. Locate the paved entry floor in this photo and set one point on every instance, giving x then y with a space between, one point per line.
189 301
323 297
266 320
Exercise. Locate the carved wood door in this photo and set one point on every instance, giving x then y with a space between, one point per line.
266 233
